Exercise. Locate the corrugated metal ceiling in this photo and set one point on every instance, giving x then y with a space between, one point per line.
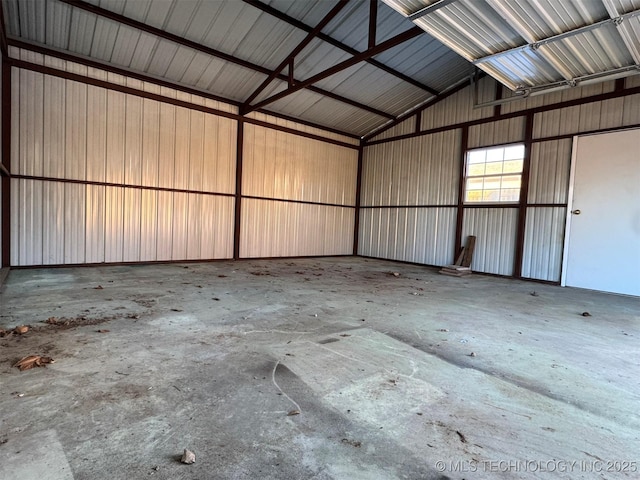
535 45
229 47
403 76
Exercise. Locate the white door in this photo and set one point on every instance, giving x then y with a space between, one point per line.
602 242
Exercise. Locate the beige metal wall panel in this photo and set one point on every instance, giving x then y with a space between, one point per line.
458 108
30 124
286 166
497 133
26 222
52 223
96 134
74 223
54 128
194 232
631 115
408 126
132 141
217 227
544 243
549 171
150 142
281 229
180 226
632 82
75 162
116 110
555 97
219 169
196 150
95 224
182 144
166 152
165 226
495 231
263 117
70 130
132 222
614 113
415 171
149 226
114 224
420 235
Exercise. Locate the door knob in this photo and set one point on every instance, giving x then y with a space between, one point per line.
576 212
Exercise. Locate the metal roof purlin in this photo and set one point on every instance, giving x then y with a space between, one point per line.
429 9
627 40
384 46
209 51
561 36
373 22
291 57
336 43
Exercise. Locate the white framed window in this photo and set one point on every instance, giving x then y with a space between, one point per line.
494 175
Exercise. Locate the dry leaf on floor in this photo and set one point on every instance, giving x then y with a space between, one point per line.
293 412
188 457
33 361
21 329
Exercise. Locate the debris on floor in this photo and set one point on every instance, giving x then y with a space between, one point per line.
353 443
293 412
472 354
463 439
455 271
585 314
99 287
103 331
534 294
22 329
33 361
188 457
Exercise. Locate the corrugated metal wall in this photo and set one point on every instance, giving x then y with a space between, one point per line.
495 232
283 170
104 176
69 131
409 192
393 174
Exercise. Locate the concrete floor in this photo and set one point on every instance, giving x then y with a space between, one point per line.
212 357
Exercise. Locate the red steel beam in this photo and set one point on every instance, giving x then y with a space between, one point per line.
384 46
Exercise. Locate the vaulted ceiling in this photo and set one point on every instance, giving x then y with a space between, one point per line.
352 65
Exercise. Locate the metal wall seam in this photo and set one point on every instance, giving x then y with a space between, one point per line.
495 231
543 244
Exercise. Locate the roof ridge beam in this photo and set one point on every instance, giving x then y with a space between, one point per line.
384 46
116 17
290 58
336 43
